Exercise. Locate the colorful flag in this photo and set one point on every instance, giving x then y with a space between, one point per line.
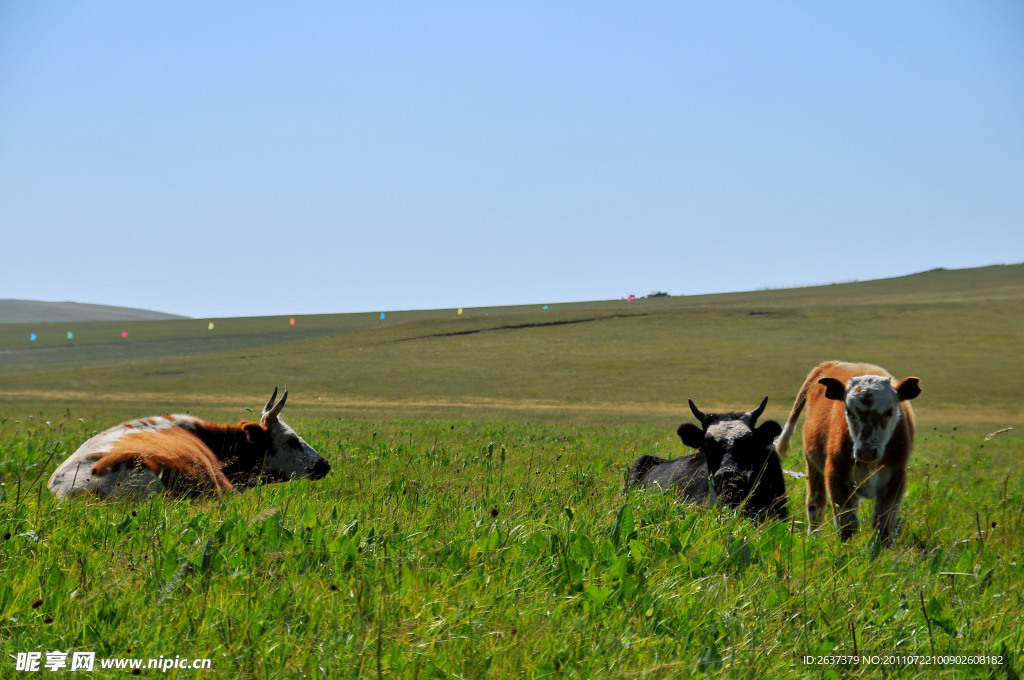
210 326
292 321
124 334
32 337
70 335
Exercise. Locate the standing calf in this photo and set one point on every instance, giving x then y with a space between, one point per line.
735 464
857 441
184 455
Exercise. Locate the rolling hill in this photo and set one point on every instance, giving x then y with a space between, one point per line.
34 311
960 331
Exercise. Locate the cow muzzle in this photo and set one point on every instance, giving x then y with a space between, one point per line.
730 486
867 454
319 469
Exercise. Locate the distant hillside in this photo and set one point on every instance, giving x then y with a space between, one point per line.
960 331
33 311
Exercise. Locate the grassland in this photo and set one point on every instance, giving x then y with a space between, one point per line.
960 331
473 524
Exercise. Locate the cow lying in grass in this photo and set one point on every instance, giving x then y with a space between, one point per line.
857 441
735 464
183 455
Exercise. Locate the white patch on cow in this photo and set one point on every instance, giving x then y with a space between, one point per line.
289 453
127 481
74 476
872 413
869 479
728 431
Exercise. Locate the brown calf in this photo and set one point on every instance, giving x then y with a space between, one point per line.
857 441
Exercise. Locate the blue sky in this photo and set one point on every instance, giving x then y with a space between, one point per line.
237 159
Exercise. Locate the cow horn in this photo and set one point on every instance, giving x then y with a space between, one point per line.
270 404
274 412
697 412
752 416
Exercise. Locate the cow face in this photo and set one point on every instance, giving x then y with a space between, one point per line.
288 455
735 450
872 406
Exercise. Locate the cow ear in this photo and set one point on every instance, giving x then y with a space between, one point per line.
691 435
768 431
833 389
908 389
254 432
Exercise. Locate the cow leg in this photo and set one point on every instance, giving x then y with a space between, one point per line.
816 499
845 502
846 518
887 506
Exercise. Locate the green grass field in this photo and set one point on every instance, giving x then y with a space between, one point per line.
473 525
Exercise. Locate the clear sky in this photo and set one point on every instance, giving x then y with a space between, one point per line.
245 158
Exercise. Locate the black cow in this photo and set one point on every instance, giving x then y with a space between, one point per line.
735 464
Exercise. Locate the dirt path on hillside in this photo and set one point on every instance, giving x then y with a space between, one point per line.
483 405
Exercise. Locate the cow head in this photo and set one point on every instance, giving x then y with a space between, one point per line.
736 450
872 410
288 455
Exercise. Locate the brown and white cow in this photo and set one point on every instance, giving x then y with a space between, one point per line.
857 441
184 455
